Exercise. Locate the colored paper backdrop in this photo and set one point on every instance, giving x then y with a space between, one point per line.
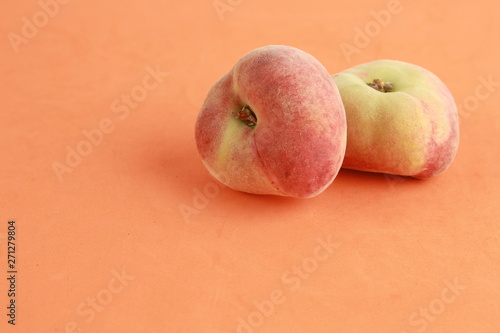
118 227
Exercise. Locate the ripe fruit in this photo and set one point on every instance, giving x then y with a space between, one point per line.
274 124
401 119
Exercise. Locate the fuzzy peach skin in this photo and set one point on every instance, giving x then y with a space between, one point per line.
274 124
411 129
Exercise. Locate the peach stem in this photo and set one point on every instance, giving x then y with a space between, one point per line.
246 115
381 86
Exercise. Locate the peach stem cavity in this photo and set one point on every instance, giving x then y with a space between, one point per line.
381 86
246 115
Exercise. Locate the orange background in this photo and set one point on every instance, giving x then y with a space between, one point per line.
400 244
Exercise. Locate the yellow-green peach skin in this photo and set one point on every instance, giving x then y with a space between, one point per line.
401 119
274 124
